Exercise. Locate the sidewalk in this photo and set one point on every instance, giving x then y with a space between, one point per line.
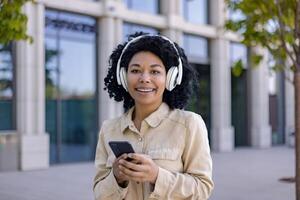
245 174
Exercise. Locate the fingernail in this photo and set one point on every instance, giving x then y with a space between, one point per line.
130 155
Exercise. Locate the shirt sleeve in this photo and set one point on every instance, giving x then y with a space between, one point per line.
196 180
105 184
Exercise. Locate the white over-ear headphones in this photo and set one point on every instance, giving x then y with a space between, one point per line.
174 75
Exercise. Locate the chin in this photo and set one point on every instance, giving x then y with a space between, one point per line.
147 102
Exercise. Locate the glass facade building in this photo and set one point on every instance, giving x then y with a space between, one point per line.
195 11
147 6
51 93
70 71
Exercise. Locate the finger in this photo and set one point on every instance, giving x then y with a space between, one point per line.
141 158
134 175
133 166
123 156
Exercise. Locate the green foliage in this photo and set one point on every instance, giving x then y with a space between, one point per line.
266 23
51 89
255 59
13 21
237 68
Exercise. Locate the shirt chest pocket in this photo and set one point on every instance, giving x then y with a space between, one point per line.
167 158
164 154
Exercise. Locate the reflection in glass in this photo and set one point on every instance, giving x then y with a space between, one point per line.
6 88
70 72
129 28
200 100
196 48
148 6
239 112
195 11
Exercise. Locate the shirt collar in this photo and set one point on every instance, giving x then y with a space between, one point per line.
153 120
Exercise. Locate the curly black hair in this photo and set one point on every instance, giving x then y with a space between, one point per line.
178 97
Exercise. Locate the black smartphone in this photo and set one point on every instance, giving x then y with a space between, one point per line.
121 147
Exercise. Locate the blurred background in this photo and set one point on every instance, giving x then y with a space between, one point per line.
52 101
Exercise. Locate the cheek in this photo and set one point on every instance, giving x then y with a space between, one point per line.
161 82
131 79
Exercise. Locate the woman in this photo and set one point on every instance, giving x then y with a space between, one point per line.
152 77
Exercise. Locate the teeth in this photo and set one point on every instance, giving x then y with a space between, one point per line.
144 90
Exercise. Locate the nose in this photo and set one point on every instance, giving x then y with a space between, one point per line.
145 78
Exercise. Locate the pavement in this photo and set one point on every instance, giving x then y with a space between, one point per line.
244 174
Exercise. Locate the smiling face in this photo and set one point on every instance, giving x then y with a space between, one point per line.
146 77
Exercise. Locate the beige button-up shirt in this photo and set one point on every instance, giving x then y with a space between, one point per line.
177 142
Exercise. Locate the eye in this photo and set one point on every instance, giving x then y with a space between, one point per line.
155 72
134 71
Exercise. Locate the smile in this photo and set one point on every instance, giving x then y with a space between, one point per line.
145 89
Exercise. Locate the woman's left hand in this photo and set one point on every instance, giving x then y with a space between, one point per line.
140 169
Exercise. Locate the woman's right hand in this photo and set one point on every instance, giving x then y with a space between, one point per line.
120 177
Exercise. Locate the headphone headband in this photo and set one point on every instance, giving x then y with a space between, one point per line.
178 77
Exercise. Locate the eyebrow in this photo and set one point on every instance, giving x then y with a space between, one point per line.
137 65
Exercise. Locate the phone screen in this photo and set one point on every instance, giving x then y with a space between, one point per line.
121 147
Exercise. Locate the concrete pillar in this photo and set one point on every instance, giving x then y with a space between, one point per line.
222 133
111 34
171 9
106 41
289 109
30 100
260 130
118 40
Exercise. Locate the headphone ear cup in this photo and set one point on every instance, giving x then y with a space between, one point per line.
123 78
171 78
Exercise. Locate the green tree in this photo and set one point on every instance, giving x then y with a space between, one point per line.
274 25
13 26
13 22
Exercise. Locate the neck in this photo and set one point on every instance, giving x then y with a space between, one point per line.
141 112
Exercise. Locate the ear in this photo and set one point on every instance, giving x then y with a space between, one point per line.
123 78
171 78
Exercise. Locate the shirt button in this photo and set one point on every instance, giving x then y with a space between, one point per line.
140 139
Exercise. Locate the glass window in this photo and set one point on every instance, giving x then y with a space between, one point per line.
132 28
196 48
6 88
239 112
195 11
272 75
201 97
70 71
149 6
238 51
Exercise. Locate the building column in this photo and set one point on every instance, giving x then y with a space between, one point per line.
111 34
289 109
171 10
260 130
118 40
30 93
222 133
